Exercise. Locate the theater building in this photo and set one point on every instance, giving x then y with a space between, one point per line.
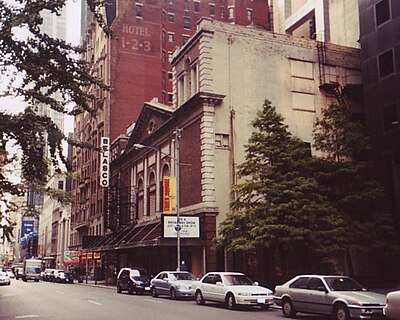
221 78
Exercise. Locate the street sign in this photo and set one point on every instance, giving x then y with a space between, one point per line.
177 228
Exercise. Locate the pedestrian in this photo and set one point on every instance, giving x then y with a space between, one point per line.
183 266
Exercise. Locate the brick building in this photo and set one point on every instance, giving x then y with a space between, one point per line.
220 79
135 63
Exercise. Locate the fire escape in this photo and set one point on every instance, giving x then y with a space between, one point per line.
343 89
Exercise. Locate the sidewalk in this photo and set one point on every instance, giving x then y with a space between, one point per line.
98 284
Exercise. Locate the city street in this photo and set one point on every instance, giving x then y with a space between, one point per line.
45 300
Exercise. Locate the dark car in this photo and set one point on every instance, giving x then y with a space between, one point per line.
133 280
68 277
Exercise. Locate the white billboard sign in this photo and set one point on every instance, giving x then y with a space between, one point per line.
189 227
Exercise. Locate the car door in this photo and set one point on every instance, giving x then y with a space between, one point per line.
124 279
318 299
163 283
207 285
218 289
298 293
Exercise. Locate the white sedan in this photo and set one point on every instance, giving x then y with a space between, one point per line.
231 288
4 279
392 307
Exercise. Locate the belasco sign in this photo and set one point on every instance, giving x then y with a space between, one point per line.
105 162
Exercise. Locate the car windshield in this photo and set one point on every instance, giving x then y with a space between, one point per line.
3 274
237 280
32 270
182 276
138 273
343 284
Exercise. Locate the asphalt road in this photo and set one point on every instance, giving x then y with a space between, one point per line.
44 300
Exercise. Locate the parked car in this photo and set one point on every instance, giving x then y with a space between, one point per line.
19 273
47 274
174 284
4 279
68 277
392 307
10 274
58 276
338 296
133 280
231 288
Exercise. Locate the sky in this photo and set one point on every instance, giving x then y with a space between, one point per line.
73 36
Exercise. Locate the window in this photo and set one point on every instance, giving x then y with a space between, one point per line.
185 38
196 6
163 77
249 15
222 12
170 57
382 12
316 284
170 97
164 98
212 9
390 118
300 283
193 80
171 17
170 76
186 5
139 10
231 12
221 140
386 64
186 23
163 37
164 57
171 37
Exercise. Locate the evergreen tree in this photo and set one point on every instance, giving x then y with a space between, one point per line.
345 179
278 202
35 67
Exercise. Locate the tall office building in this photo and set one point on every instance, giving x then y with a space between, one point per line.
135 63
380 54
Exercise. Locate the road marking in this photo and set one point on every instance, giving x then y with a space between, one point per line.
60 292
9 295
152 300
95 302
27 316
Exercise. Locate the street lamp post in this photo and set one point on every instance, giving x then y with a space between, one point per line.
176 140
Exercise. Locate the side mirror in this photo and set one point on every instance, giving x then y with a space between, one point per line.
219 283
255 283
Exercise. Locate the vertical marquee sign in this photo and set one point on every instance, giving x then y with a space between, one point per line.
169 191
105 162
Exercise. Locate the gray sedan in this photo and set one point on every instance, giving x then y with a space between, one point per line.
338 296
174 284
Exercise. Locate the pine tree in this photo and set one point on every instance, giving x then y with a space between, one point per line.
346 180
278 203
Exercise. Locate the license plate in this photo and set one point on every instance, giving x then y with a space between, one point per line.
147 288
260 300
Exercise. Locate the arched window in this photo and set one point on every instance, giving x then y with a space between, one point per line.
151 194
140 200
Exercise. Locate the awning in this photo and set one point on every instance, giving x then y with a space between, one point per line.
71 262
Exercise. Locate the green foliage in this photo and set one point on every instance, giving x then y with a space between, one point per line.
345 178
278 201
288 200
43 72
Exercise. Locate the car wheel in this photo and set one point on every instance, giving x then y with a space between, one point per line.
199 298
288 309
340 312
230 302
130 289
265 307
154 293
172 293
119 288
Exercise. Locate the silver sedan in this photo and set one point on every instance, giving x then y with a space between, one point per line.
338 296
175 284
